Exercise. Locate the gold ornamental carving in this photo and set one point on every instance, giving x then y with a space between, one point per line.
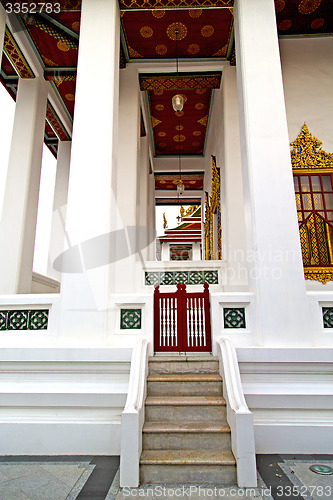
308 154
212 225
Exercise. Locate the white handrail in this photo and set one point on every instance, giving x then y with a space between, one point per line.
239 416
132 418
232 376
137 378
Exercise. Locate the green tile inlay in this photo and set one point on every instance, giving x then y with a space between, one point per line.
187 277
234 317
328 317
181 277
130 319
196 278
212 277
24 319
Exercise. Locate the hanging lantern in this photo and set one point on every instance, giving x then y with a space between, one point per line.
180 187
178 102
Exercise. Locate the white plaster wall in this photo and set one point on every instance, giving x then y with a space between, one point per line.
214 144
307 69
62 401
171 164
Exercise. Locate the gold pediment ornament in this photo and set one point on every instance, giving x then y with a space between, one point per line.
307 152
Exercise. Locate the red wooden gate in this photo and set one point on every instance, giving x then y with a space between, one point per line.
182 320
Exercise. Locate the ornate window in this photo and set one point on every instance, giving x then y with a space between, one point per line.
313 181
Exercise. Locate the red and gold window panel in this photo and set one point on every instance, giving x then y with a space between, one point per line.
314 193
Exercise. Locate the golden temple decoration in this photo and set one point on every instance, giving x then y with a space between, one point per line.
207 227
191 210
322 274
316 234
16 57
307 153
165 223
182 212
212 225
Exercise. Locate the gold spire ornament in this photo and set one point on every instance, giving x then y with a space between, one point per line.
165 223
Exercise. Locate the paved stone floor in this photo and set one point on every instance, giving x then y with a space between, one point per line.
97 478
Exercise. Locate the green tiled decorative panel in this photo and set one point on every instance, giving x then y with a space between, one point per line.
130 319
328 317
187 277
234 317
24 319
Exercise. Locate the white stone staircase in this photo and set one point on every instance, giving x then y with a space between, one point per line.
186 438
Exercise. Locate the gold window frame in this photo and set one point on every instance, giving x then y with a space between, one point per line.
308 157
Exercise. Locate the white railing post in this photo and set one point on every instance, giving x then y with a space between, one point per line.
132 418
239 416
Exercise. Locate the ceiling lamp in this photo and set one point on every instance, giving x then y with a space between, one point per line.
180 186
178 102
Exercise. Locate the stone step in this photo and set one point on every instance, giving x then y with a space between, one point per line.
188 384
183 364
188 436
185 409
187 467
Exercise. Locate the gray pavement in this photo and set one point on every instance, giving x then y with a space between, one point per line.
97 478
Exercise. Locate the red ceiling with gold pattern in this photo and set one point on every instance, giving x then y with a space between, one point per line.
7 67
304 17
148 33
202 33
191 180
182 131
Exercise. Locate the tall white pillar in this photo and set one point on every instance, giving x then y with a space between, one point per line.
19 216
127 175
275 263
85 284
57 237
2 29
142 216
151 214
234 244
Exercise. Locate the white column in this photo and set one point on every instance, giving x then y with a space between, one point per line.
90 209
196 253
234 243
57 237
165 252
142 216
2 29
151 214
275 263
127 175
19 216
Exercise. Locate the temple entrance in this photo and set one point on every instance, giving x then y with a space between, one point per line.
182 320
